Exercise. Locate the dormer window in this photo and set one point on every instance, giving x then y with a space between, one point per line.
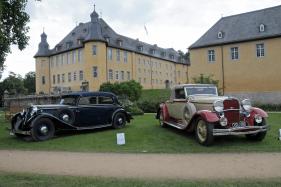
220 35
172 57
68 45
58 47
163 54
84 30
73 33
153 51
107 39
140 48
120 43
80 41
262 28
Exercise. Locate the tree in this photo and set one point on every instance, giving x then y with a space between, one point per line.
207 79
14 29
130 89
29 82
183 55
13 84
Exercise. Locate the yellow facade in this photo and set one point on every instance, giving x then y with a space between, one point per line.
64 69
248 73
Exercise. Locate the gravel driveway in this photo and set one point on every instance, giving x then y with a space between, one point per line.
156 166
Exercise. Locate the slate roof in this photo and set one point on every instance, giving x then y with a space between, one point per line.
98 30
243 27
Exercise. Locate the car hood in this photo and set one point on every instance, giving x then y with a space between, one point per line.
51 106
209 99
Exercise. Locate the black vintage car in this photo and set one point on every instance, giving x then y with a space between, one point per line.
76 111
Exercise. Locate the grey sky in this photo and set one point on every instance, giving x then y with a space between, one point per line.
170 23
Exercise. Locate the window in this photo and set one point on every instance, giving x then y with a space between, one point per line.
54 79
110 74
43 80
80 55
179 94
91 100
95 71
109 53
122 75
81 76
67 58
125 56
220 35
118 55
116 75
74 76
260 50
262 28
140 48
94 50
128 75
62 78
61 59
69 77
57 61
211 55
58 77
105 100
234 53
73 57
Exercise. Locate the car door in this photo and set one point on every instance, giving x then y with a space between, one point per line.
176 104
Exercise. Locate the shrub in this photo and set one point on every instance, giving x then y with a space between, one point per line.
130 89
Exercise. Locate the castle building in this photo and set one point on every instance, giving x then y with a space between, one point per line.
242 52
93 53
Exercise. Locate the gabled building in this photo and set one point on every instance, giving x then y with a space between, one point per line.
93 53
243 52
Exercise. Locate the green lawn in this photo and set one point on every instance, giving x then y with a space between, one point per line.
22 180
144 135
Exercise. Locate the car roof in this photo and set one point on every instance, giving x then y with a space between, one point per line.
86 94
193 85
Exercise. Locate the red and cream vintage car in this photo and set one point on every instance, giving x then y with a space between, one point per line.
198 108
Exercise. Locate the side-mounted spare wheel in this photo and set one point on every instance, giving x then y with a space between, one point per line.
119 120
204 132
42 129
66 115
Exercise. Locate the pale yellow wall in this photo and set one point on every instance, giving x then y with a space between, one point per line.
42 69
247 74
150 72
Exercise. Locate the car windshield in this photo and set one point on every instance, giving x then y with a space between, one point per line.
201 91
68 100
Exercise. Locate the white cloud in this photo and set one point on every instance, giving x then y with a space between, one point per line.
170 23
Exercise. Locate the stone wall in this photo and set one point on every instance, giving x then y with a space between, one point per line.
273 98
13 105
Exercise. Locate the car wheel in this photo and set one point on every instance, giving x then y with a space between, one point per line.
66 115
204 132
258 136
42 129
161 119
119 121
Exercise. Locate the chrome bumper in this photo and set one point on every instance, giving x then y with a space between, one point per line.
13 132
240 130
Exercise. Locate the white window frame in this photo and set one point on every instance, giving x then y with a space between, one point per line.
234 53
94 50
95 71
211 56
260 50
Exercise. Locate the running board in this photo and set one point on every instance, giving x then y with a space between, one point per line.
176 125
93 127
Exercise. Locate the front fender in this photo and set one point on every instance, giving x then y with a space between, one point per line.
208 116
259 111
60 124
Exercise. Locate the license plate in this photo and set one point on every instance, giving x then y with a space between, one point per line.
240 124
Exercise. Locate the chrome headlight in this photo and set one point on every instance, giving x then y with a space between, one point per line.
223 121
258 118
246 104
34 109
218 106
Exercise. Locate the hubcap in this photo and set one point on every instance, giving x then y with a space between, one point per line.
202 131
44 130
120 121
